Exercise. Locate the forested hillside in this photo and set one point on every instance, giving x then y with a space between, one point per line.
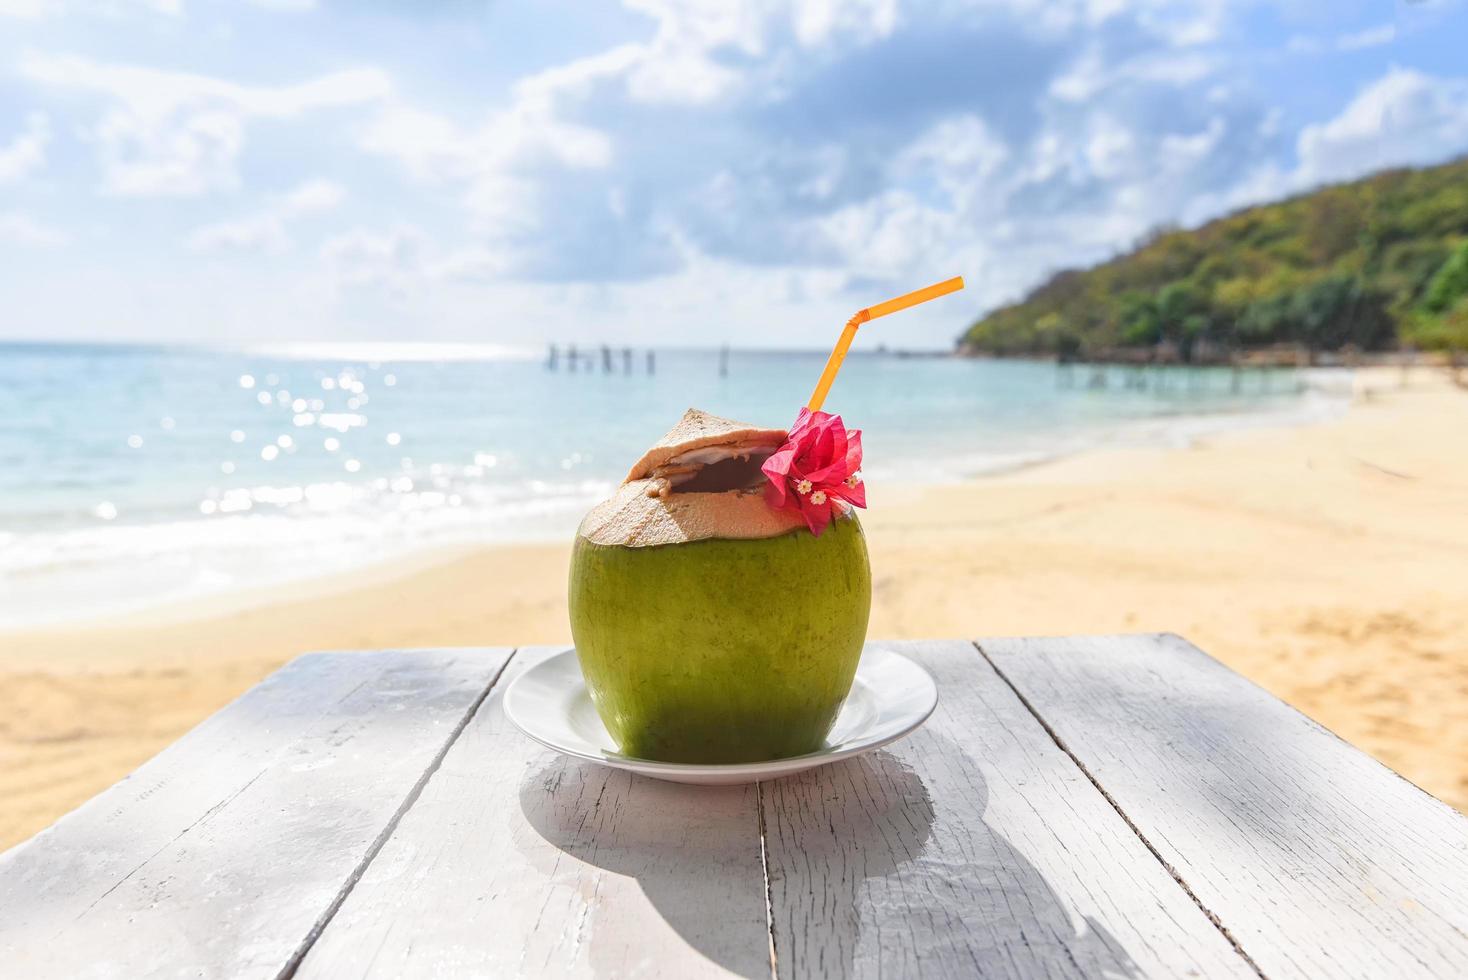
1375 263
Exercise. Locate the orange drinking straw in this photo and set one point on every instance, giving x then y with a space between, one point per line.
833 364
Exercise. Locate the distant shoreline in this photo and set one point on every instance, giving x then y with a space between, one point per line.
1174 432
158 478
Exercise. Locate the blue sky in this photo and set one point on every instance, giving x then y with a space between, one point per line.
658 172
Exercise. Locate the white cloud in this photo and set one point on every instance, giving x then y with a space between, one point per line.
405 261
780 160
817 20
36 9
392 260
1369 38
23 9
1093 73
25 154
1404 117
560 187
893 235
474 263
268 231
500 164
289 6
432 146
22 229
314 195
959 154
168 133
264 233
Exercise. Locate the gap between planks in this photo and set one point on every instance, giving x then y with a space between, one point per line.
1060 744
293 964
764 866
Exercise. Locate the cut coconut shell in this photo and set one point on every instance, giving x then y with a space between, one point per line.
698 430
699 481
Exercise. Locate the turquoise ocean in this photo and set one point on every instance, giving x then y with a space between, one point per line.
132 476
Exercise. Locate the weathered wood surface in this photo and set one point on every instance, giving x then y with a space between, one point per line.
518 862
219 857
1118 806
1317 859
972 848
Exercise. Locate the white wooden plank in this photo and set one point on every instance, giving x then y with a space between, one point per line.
518 862
220 856
975 847
1319 861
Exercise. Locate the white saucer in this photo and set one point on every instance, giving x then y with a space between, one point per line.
891 697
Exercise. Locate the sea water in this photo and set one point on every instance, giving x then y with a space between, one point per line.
132 476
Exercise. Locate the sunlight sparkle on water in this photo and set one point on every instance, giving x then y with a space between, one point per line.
340 421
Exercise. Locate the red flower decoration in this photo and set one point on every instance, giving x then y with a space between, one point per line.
816 470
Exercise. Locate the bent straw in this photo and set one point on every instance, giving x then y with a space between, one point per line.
838 354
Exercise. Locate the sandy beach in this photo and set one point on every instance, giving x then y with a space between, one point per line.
1328 563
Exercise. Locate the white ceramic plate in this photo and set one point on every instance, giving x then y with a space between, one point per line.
891 697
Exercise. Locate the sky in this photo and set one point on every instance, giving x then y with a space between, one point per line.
658 172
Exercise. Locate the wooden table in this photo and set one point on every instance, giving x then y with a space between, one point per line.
1078 807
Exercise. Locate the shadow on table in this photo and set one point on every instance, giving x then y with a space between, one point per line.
872 876
694 852
851 850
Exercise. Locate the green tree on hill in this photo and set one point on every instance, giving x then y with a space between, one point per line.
1367 264
1449 284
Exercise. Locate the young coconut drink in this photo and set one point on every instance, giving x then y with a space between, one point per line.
719 599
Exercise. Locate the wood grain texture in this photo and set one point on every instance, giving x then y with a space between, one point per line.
1319 861
975 847
518 862
220 856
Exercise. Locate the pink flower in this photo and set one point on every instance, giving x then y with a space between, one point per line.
815 472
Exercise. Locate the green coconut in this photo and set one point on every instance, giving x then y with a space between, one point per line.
711 627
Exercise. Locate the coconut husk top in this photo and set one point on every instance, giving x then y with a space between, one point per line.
699 481
700 430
